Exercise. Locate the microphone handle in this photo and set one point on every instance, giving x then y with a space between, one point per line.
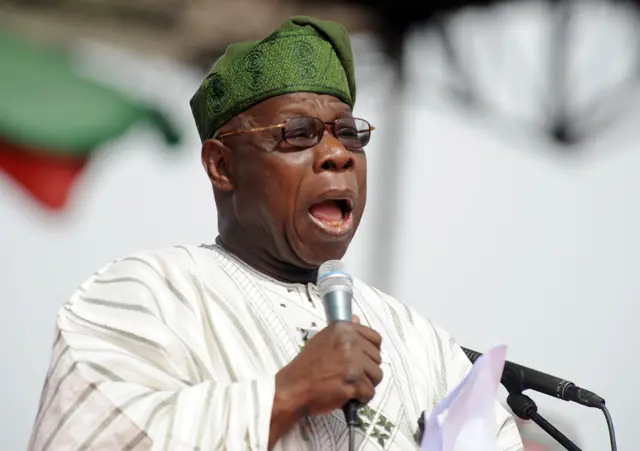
350 410
338 306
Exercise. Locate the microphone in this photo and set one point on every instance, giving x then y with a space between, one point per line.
335 287
517 378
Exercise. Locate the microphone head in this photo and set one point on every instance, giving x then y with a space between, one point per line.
332 276
331 266
335 287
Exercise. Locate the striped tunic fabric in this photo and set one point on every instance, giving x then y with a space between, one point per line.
177 349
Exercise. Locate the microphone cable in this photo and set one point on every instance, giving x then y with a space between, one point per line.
612 432
351 415
352 437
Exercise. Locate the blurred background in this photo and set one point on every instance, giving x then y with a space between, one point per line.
503 172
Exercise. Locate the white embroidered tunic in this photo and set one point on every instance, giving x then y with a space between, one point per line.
177 349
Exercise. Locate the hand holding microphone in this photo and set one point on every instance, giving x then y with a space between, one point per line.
340 363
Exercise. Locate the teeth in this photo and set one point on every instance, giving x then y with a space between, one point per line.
334 223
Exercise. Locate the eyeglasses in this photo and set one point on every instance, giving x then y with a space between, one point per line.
304 132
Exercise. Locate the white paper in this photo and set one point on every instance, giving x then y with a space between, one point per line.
466 419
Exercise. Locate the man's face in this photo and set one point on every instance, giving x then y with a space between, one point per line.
306 202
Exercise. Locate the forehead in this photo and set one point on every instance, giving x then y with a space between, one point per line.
324 107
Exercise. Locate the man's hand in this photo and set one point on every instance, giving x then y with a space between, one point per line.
340 363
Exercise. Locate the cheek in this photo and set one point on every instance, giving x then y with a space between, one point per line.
280 199
361 167
362 180
276 193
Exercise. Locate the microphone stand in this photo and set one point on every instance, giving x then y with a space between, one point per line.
526 408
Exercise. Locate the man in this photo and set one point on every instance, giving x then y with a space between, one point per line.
226 346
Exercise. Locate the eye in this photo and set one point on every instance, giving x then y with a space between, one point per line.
303 132
347 132
299 131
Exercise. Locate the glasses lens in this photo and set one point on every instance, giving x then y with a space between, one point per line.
353 133
303 131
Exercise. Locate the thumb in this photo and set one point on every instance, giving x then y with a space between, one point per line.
356 319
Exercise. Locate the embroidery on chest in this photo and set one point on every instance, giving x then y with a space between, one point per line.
306 334
375 424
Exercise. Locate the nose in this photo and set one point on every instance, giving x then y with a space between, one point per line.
331 155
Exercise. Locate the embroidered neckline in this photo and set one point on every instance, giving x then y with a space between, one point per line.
217 248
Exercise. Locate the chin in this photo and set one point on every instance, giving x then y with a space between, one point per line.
323 252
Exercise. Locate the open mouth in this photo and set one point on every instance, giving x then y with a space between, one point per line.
333 215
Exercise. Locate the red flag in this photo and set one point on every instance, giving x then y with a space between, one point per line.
49 178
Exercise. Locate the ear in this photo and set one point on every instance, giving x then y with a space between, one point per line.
216 160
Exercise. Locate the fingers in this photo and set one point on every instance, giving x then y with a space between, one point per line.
373 372
370 335
371 351
364 385
364 391
364 338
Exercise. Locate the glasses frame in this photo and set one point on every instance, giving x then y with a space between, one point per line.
331 125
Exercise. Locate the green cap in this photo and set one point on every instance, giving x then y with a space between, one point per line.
303 55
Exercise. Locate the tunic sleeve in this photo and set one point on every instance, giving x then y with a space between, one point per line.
127 374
